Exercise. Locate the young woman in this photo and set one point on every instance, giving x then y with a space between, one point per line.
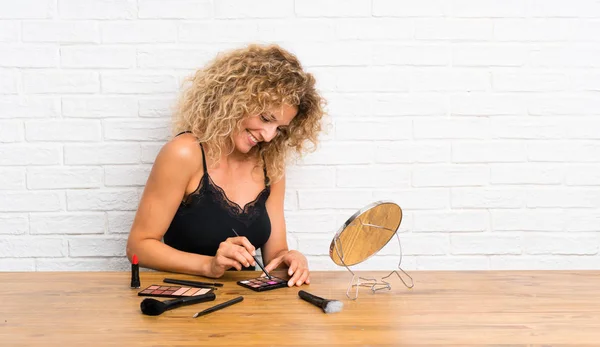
237 122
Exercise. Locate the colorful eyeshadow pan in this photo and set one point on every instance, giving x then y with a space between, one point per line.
262 284
173 291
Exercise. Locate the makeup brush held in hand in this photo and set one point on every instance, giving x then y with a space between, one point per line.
328 306
153 307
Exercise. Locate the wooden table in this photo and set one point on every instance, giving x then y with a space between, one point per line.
461 308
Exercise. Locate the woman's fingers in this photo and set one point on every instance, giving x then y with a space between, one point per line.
295 271
234 248
241 255
299 277
227 262
292 268
303 277
298 268
273 264
244 242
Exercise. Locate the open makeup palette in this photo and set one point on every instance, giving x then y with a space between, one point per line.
173 291
261 284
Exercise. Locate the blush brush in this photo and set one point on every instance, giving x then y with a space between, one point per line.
153 307
328 306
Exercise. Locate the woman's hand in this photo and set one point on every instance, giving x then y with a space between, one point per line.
233 252
297 267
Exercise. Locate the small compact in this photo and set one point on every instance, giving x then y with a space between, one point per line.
261 284
173 291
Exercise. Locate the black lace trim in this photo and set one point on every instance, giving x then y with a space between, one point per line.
245 214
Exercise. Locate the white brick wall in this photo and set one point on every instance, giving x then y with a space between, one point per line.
481 118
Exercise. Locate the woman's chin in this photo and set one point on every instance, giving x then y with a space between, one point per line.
244 149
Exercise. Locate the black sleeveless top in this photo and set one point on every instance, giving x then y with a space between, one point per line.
205 218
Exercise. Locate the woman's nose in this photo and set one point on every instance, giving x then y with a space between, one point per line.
270 133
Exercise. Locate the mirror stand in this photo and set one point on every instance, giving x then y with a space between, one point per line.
372 283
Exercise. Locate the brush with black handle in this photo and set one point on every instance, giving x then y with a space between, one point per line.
328 306
153 307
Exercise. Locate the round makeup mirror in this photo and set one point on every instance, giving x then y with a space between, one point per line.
364 234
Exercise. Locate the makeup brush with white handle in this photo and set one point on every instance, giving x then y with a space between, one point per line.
328 306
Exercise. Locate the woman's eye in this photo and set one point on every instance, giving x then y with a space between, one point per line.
264 119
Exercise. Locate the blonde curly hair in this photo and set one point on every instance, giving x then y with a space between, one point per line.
248 81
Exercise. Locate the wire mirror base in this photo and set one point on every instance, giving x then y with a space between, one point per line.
374 284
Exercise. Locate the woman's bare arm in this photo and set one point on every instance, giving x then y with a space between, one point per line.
277 243
173 168
276 251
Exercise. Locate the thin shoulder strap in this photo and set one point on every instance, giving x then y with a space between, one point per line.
183 132
202 148
203 159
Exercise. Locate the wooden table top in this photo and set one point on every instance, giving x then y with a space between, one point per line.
461 308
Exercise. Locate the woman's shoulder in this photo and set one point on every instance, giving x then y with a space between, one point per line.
183 150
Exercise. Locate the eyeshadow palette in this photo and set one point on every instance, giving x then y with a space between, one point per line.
173 291
261 284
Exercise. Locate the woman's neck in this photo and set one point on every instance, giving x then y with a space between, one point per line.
239 157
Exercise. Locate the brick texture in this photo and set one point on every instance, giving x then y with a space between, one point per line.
480 118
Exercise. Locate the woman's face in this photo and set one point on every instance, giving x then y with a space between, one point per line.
263 127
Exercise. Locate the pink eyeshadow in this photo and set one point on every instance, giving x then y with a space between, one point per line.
153 287
181 291
190 292
201 291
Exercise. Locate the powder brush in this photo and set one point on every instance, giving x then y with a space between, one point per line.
328 306
153 307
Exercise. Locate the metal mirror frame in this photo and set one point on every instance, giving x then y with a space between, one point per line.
372 283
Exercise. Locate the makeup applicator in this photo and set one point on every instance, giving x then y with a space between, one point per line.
328 306
153 307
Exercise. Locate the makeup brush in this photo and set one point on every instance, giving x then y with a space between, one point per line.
194 284
255 259
219 306
328 306
153 307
